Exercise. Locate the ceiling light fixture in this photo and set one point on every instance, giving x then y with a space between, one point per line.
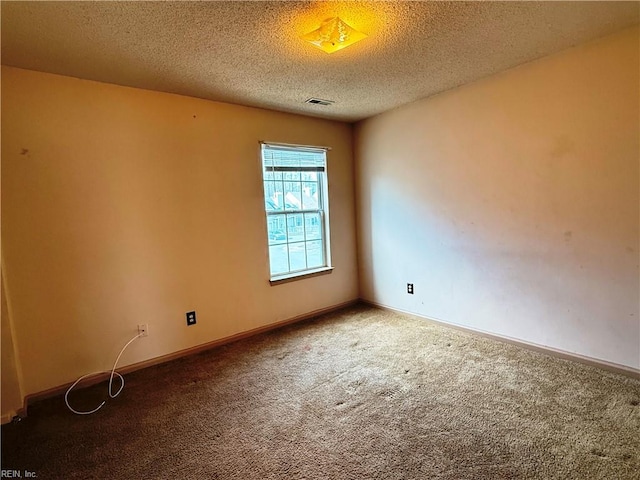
333 35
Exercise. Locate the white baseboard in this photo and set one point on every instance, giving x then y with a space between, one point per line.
99 377
555 352
614 367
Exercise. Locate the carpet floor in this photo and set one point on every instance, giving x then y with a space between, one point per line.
361 393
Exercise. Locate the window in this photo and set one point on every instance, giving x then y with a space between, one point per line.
295 198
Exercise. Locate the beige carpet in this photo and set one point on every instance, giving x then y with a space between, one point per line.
358 394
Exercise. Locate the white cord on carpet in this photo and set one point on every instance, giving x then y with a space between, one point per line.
112 395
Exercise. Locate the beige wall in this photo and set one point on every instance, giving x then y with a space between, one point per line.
512 203
123 206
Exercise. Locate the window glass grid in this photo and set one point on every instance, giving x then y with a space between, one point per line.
293 185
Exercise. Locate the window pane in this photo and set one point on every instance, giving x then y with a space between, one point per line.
310 176
297 256
278 259
295 227
312 226
273 196
276 229
309 195
315 254
293 195
271 175
291 176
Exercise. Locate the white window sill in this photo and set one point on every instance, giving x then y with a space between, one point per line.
290 277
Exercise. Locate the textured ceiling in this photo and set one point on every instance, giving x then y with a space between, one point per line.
250 53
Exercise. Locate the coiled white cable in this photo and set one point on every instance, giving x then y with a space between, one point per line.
111 394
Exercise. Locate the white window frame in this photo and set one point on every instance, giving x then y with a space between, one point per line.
286 212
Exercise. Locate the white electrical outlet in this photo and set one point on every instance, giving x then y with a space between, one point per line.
143 330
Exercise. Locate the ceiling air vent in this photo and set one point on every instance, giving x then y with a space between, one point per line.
319 101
